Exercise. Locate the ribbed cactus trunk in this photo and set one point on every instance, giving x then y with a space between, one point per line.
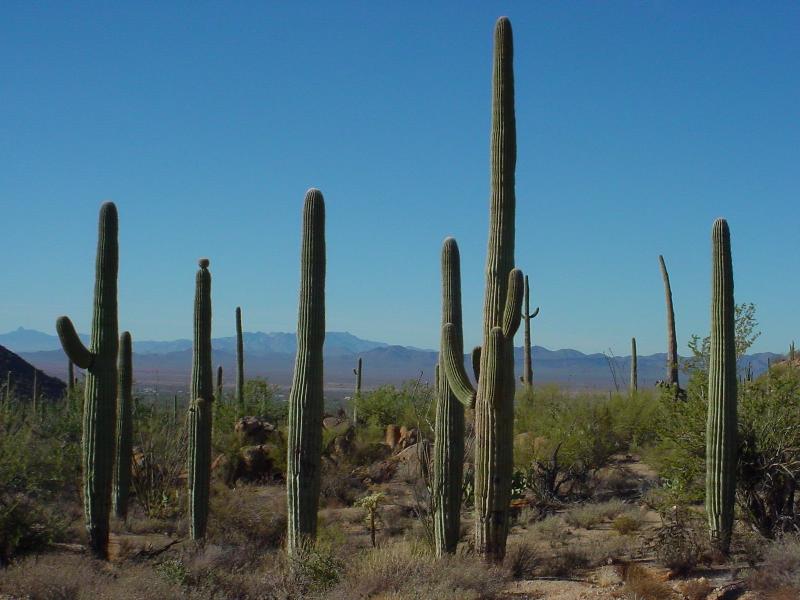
357 398
502 311
219 385
239 360
672 340
634 367
100 362
200 411
306 396
527 359
448 463
124 448
70 378
721 452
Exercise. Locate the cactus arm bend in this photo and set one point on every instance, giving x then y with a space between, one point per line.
534 313
512 312
72 344
454 371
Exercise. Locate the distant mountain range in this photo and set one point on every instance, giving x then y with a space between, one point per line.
167 365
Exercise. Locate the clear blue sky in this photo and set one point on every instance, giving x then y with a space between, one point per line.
638 123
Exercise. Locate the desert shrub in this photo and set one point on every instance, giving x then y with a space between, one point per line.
409 571
628 522
564 563
28 526
587 516
248 517
779 574
552 529
695 589
562 439
79 577
681 541
260 398
410 405
158 462
520 560
641 583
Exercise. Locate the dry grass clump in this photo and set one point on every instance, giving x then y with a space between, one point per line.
588 516
78 577
779 575
409 571
641 583
695 589
252 518
521 560
681 543
628 522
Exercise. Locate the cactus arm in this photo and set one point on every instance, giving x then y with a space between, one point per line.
72 344
476 362
454 371
534 313
494 366
512 313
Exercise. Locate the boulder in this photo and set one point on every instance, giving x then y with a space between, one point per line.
392 436
408 437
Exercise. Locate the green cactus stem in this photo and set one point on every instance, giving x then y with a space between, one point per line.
70 378
357 397
721 452
306 396
239 360
672 340
502 311
527 361
100 362
124 447
219 385
448 463
200 412
634 368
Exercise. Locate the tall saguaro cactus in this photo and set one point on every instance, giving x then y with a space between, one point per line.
124 448
448 463
527 315
634 367
672 340
502 311
100 362
357 398
239 360
70 378
721 425
200 411
219 384
306 396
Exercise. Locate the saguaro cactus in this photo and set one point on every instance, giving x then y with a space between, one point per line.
200 413
502 308
239 359
306 396
634 367
527 315
124 449
448 463
672 340
70 378
357 396
721 425
100 362
219 384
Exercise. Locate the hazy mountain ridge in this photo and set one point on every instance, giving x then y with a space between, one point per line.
271 355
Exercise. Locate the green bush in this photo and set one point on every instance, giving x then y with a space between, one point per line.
411 405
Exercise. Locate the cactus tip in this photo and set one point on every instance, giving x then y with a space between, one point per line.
203 262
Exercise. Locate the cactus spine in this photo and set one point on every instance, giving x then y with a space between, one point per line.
239 360
306 396
200 409
527 315
634 367
100 362
124 449
721 425
672 340
502 311
448 464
